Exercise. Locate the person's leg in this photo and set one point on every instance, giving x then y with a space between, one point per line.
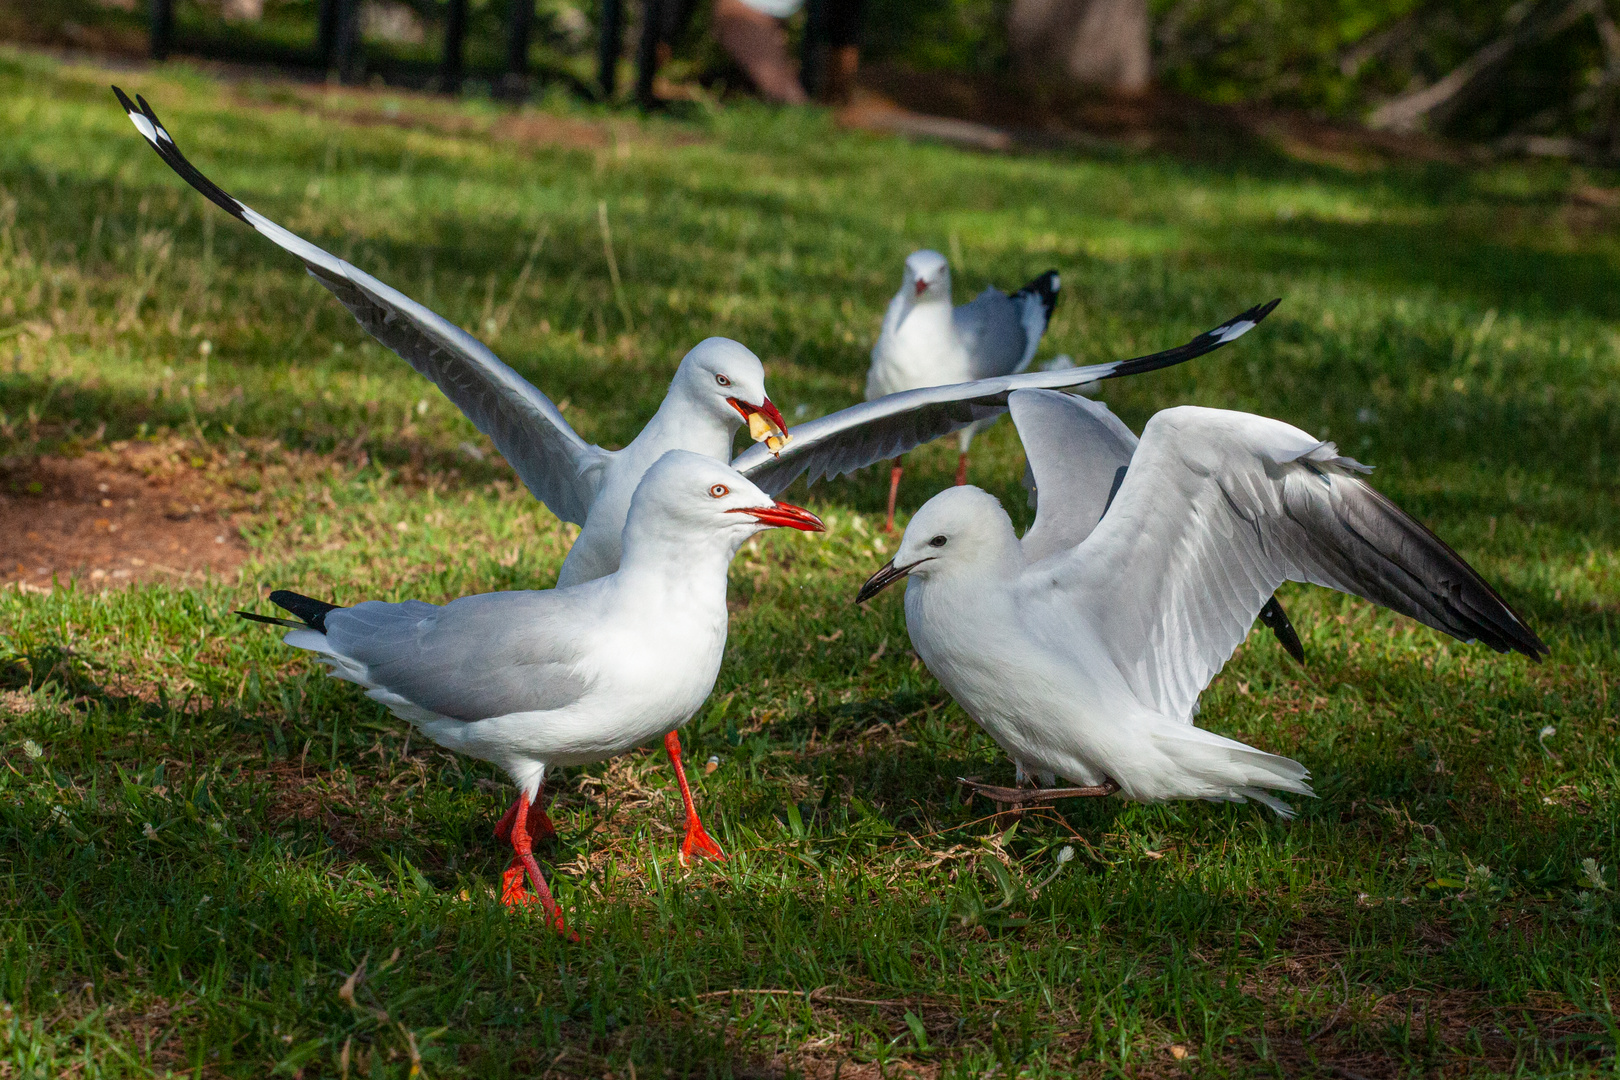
759 45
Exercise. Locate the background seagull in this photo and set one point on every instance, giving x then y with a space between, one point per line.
927 342
718 385
1082 649
567 676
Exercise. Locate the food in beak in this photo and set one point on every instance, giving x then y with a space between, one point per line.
783 515
765 424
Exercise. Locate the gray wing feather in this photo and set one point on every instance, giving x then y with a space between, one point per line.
1076 449
472 659
560 468
993 334
874 431
1218 509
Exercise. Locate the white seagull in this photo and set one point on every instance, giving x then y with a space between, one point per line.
1082 648
532 680
927 342
718 386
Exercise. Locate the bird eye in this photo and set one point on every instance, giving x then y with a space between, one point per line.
722 380
938 541
719 491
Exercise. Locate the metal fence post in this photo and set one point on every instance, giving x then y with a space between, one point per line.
162 28
607 53
520 24
455 36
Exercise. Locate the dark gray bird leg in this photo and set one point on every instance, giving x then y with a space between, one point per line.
1006 796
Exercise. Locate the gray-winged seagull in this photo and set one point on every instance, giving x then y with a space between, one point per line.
925 341
1082 648
532 680
719 385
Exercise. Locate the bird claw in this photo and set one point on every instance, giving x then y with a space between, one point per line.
698 840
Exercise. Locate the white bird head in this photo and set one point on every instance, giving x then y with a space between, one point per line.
958 529
724 377
697 494
928 277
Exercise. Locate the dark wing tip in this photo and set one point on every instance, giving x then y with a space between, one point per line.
312 611
1273 616
1045 288
161 141
1208 341
272 620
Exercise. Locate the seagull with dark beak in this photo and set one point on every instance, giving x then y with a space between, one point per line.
1082 647
529 681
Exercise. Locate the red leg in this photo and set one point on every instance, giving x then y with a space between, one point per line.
894 490
539 827
513 893
697 838
961 468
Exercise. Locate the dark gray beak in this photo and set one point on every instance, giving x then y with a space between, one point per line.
887 575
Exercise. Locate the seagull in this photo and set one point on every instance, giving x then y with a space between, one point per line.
927 342
533 680
1082 648
719 385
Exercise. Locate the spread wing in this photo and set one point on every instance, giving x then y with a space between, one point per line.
562 469
1217 510
1078 453
878 430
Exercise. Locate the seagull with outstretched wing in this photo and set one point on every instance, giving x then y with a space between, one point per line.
719 386
1083 647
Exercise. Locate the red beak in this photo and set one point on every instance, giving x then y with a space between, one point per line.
767 410
783 515
922 286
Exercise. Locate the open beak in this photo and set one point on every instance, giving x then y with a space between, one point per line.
887 575
783 516
765 423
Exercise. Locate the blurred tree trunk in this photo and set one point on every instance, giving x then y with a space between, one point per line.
1082 42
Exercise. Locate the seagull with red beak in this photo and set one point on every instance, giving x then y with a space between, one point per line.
532 680
719 386
926 341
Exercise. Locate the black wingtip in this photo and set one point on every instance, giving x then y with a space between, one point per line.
1273 616
163 143
1207 342
1045 287
307 608
254 616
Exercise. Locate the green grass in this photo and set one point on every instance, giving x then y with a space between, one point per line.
202 839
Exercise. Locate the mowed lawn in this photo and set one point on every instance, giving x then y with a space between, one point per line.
214 861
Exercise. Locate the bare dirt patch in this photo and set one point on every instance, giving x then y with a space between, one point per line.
131 512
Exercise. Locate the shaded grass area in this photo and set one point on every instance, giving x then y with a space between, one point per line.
214 860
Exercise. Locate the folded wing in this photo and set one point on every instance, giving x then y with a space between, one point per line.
1217 510
472 659
889 426
560 468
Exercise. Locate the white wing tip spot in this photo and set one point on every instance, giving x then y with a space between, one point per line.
144 126
1236 330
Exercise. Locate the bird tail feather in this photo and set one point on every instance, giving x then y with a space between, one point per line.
1215 767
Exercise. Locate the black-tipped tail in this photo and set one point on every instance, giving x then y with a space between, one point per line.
310 611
